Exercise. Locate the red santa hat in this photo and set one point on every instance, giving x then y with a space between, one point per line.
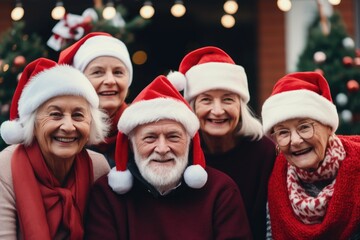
300 95
159 100
41 80
93 45
209 68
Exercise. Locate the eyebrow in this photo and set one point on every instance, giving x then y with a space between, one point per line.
60 108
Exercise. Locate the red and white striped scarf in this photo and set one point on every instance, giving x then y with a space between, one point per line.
310 209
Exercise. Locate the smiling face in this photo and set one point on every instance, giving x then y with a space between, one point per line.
110 77
305 154
218 112
161 152
62 127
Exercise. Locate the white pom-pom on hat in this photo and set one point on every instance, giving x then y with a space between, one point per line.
12 132
120 181
177 79
195 176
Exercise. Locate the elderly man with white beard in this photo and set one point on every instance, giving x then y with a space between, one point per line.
161 187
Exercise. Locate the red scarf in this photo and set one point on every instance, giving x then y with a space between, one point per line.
43 205
312 209
108 146
342 217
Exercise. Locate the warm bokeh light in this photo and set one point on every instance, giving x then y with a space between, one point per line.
284 5
178 9
17 13
334 2
139 57
109 11
230 6
227 21
147 10
58 11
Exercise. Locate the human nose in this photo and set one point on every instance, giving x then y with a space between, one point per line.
295 138
67 124
162 147
109 78
217 108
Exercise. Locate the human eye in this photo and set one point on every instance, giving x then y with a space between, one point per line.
228 99
149 138
174 137
78 116
305 127
55 114
119 72
204 100
282 133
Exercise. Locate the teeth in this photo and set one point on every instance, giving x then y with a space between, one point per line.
108 93
302 151
65 139
218 121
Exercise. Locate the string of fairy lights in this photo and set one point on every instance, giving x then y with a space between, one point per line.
147 10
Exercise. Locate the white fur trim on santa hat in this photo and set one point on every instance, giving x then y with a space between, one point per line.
298 104
177 79
98 46
195 176
120 181
216 75
53 82
56 81
147 111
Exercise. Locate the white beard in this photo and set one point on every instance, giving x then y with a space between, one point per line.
162 177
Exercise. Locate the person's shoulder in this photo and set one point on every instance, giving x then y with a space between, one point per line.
217 177
5 163
264 146
100 164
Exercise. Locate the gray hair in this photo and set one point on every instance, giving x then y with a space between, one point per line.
250 126
99 126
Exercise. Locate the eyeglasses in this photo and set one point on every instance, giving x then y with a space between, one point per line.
283 136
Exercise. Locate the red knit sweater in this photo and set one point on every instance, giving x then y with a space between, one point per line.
215 211
342 218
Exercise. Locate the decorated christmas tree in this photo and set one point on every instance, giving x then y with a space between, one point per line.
17 48
331 51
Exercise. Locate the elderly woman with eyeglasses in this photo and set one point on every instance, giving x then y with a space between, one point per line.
314 189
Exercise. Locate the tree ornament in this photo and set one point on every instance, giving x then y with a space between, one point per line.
348 43
346 115
341 99
18 76
357 61
347 61
19 61
5 108
319 70
352 85
357 52
319 57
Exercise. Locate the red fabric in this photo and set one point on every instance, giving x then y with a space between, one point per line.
215 212
30 71
204 55
44 206
108 146
342 217
311 81
67 55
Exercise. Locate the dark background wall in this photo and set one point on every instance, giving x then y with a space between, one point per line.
167 39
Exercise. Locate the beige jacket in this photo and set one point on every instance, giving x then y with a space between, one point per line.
8 216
